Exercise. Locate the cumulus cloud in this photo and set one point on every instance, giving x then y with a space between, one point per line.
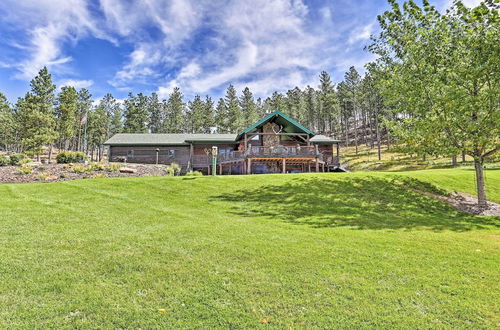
76 83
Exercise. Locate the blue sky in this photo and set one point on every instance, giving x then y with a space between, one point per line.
202 46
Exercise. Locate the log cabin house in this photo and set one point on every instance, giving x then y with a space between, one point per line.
274 144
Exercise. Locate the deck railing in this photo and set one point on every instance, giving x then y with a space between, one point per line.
282 151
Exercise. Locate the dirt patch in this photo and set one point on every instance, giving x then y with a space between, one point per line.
62 172
464 202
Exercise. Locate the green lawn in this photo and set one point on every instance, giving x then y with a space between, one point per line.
304 251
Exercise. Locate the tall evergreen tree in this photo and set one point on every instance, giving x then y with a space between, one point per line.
234 114
195 115
97 130
175 121
277 102
136 114
83 109
7 124
66 115
208 115
295 106
155 113
36 114
248 107
221 118
328 106
352 83
310 104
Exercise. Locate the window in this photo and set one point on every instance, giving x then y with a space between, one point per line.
170 152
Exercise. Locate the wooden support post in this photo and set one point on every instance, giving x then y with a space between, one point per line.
191 152
208 170
245 146
338 152
249 166
284 165
220 169
317 164
309 167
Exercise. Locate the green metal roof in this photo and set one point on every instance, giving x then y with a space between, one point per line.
167 139
322 139
289 124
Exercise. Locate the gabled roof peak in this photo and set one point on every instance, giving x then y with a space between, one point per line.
285 120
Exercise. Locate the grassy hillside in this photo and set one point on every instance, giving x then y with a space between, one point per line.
367 160
318 250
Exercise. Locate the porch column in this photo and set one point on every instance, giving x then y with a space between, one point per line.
317 164
220 169
338 152
208 170
249 166
309 167
191 152
284 165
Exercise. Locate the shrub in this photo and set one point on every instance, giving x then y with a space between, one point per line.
25 169
114 167
18 159
194 173
43 176
173 169
97 167
67 157
4 160
81 169
98 175
62 175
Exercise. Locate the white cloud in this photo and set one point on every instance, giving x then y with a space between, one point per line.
78 84
467 3
50 24
258 38
361 34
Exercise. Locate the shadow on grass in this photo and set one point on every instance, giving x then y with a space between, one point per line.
362 203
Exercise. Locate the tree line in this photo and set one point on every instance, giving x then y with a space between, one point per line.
69 119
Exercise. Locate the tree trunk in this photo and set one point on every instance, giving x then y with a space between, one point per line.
454 161
50 154
481 192
463 156
377 133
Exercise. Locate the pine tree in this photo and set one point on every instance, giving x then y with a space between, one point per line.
7 124
155 113
221 117
195 115
328 105
36 114
66 115
234 114
248 107
208 115
97 130
295 106
277 102
352 82
83 109
310 105
175 121
136 114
